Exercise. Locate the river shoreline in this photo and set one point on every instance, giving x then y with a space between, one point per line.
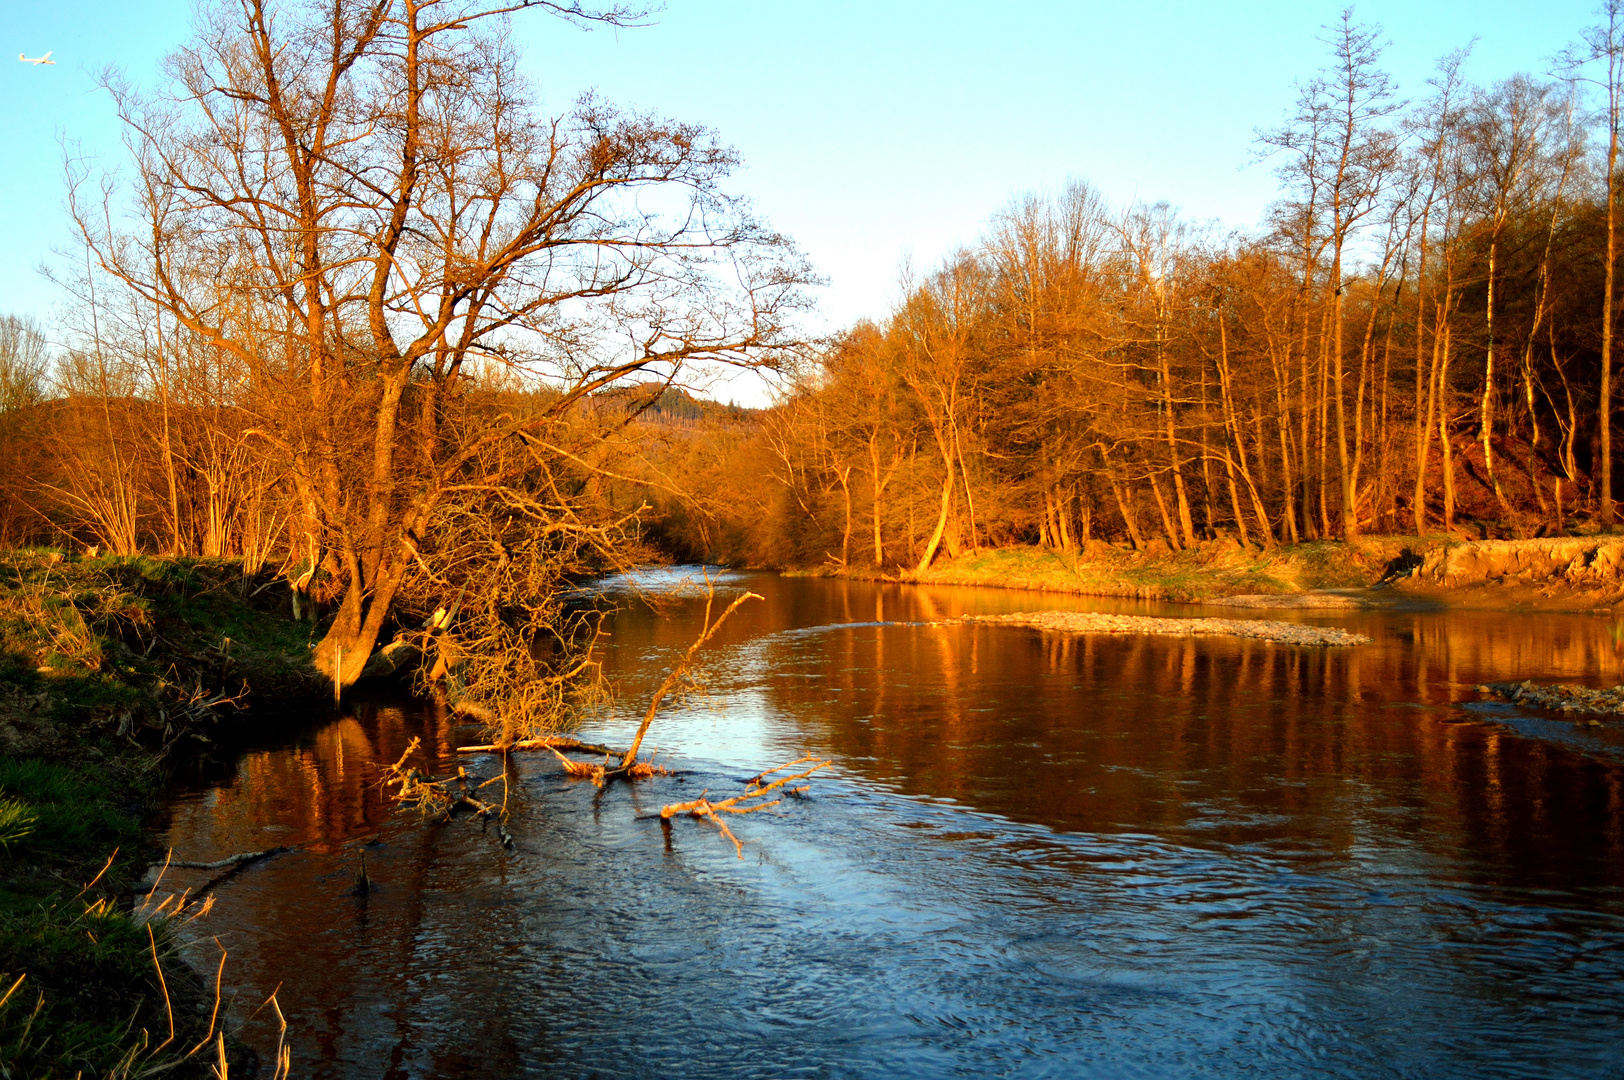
113 672
117 670
1565 574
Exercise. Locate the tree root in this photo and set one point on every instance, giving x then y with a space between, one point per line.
712 811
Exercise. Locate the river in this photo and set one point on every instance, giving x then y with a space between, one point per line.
1034 855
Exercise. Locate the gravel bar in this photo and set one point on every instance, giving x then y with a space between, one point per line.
1571 699
1089 622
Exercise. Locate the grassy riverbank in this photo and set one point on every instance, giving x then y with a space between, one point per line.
1574 573
110 670
1214 569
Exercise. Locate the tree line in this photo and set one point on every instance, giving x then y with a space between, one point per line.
1419 338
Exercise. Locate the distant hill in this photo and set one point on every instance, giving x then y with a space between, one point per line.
675 405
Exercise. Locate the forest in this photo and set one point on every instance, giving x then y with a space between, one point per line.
360 310
1418 340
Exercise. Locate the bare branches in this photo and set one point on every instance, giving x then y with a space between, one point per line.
713 811
364 209
439 798
674 678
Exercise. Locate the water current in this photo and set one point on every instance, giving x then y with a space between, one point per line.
1034 855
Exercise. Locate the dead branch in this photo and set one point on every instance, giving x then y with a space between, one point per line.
549 742
230 860
440 797
601 773
760 777
712 811
678 670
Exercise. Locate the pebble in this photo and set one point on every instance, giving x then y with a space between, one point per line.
1090 622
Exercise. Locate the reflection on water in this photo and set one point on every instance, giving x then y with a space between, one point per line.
1037 855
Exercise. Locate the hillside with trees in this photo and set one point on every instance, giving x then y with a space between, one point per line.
1420 339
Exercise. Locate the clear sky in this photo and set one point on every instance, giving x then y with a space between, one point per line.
871 130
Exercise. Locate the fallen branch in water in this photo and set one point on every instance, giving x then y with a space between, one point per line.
230 860
434 797
228 865
629 768
712 811
546 742
679 670
601 773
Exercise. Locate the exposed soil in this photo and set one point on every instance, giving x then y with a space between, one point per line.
1577 573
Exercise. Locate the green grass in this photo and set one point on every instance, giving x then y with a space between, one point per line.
70 809
98 660
86 997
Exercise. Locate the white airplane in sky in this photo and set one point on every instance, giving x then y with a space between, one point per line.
46 59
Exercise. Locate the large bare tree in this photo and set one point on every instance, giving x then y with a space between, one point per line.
362 204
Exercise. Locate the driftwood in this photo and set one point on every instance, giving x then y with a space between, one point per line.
629 767
548 742
433 796
712 811
227 867
674 678
230 860
443 796
602 772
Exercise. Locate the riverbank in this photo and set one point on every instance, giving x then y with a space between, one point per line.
1559 697
1213 570
1556 574
111 671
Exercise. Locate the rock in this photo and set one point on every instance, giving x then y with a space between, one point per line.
1566 699
1587 559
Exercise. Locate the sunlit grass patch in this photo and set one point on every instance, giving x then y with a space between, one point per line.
70 812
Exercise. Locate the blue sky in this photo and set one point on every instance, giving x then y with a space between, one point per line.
870 131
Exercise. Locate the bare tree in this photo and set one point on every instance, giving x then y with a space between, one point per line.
1341 154
1602 51
362 203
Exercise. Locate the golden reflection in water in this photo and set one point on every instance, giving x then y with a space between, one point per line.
1236 747
1222 738
327 789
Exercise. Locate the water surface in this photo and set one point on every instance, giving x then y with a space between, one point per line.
1034 855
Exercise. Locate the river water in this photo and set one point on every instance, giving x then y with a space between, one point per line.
1034 855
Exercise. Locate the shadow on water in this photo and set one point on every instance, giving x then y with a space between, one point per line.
1036 855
